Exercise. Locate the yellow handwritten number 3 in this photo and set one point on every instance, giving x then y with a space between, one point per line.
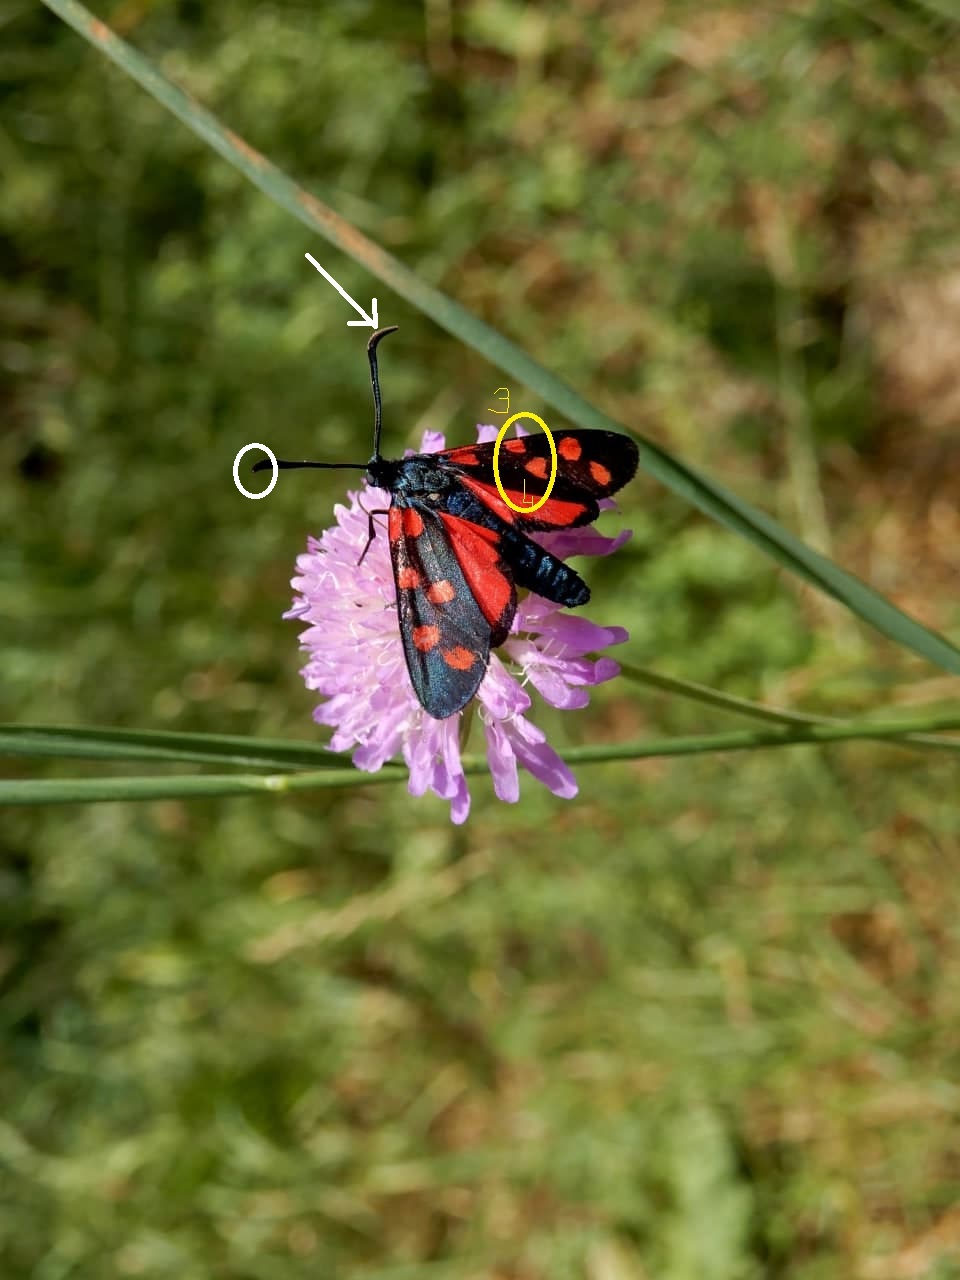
553 462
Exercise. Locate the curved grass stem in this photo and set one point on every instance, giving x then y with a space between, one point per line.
30 791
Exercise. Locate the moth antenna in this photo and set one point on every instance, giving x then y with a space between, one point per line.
375 383
266 464
283 464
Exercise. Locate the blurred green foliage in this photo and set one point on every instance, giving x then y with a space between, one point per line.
707 1029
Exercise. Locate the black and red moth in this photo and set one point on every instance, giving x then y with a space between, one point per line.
459 552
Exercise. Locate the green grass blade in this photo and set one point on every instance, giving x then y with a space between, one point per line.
92 742
14 791
694 692
708 495
42 791
895 732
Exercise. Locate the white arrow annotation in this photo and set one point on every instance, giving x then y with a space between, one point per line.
370 320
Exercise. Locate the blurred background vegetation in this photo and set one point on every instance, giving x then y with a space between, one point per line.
708 1030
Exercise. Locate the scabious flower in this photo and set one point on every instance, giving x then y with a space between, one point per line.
356 661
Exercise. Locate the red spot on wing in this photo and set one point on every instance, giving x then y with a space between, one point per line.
464 457
412 522
459 658
478 553
600 473
425 638
569 448
394 524
538 467
408 578
441 592
514 446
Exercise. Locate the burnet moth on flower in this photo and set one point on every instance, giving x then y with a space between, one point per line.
459 552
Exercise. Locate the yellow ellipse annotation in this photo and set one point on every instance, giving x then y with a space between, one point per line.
496 462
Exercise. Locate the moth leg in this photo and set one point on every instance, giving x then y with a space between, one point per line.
371 531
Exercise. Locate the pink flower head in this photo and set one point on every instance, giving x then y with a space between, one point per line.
356 661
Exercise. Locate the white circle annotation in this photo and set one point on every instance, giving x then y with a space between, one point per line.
273 462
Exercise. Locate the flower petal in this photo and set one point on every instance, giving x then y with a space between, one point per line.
500 693
433 442
460 803
582 542
502 761
546 766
